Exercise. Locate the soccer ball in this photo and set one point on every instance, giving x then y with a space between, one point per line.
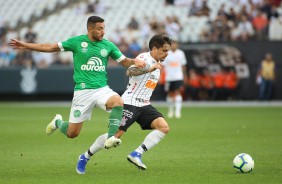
243 163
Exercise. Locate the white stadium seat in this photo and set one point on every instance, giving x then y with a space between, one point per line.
67 23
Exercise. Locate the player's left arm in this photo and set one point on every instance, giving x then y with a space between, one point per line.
135 71
46 47
127 62
124 61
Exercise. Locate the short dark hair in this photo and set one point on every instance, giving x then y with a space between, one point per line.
94 19
158 41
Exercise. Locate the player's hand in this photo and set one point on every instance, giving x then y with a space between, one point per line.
16 44
155 66
139 63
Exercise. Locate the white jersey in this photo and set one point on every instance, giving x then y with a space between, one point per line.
173 65
140 88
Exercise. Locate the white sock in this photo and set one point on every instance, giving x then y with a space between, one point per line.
178 104
96 146
151 140
170 103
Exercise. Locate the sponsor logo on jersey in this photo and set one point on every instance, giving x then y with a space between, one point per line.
141 100
104 52
151 84
93 64
152 77
84 46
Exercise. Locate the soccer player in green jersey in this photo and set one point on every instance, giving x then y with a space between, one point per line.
90 58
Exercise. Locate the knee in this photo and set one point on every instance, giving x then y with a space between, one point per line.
164 129
119 102
161 125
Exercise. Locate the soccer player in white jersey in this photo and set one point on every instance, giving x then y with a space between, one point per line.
90 57
175 71
137 106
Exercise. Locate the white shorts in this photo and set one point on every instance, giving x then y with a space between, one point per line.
85 100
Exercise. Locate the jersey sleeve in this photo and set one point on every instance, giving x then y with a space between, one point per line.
67 45
143 56
116 54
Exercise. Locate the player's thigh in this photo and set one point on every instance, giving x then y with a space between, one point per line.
113 101
147 117
82 105
130 115
109 99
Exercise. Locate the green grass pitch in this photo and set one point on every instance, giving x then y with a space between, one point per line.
199 148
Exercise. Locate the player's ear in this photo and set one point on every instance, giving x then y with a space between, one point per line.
154 49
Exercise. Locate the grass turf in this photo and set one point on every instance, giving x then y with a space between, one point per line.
199 148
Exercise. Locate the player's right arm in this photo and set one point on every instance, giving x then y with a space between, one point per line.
135 71
16 44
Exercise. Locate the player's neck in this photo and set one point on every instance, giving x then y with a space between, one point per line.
91 38
153 56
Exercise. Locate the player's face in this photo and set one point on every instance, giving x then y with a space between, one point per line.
97 32
163 52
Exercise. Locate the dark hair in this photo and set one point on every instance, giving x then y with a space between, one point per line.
158 41
94 19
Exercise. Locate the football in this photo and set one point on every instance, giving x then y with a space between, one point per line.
243 163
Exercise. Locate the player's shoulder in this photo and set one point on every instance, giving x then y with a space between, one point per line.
180 51
144 56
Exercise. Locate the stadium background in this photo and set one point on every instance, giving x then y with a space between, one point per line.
201 27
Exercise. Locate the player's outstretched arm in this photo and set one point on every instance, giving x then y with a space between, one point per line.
16 44
135 71
127 62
